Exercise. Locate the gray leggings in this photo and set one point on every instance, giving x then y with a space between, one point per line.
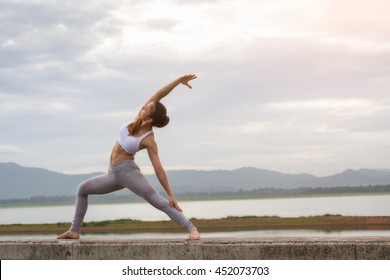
125 174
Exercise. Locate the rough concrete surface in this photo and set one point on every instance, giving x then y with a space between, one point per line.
362 248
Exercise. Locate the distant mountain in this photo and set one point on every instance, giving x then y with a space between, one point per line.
249 178
24 182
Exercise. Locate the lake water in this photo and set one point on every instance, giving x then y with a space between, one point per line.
375 205
378 205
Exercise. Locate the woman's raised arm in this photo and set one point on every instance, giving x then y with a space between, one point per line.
164 91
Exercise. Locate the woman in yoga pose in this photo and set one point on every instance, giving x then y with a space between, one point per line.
123 172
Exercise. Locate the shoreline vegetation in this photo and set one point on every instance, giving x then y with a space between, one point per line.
325 223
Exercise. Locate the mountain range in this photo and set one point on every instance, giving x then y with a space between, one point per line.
23 182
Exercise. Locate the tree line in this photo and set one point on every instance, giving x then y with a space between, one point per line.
257 193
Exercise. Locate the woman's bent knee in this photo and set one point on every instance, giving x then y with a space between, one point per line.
82 189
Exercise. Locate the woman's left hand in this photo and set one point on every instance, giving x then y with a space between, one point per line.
186 78
173 203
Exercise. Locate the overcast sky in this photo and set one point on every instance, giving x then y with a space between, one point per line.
296 86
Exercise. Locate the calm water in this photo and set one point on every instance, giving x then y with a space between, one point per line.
288 207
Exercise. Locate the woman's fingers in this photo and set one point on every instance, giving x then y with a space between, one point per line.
187 78
173 203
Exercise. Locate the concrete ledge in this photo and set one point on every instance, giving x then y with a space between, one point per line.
366 248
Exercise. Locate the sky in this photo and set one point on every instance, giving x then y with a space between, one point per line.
295 86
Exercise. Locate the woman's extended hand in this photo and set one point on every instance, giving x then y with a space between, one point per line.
173 203
186 78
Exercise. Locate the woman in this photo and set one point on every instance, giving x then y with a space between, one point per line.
124 172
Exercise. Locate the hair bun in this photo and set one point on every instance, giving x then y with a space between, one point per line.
165 121
159 116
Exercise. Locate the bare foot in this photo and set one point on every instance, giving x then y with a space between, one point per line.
69 235
194 235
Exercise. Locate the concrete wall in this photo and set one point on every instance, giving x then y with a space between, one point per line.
368 248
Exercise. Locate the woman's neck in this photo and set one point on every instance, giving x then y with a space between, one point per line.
146 126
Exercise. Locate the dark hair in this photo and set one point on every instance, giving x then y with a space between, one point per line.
159 116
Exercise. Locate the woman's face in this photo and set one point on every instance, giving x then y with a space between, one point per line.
146 111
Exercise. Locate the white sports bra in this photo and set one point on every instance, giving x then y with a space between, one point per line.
128 142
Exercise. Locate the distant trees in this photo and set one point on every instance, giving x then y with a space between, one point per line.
258 193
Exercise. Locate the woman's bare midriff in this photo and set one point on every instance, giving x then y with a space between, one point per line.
118 154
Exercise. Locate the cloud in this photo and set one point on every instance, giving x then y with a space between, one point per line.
287 85
38 31
11 150
365 23
344 108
